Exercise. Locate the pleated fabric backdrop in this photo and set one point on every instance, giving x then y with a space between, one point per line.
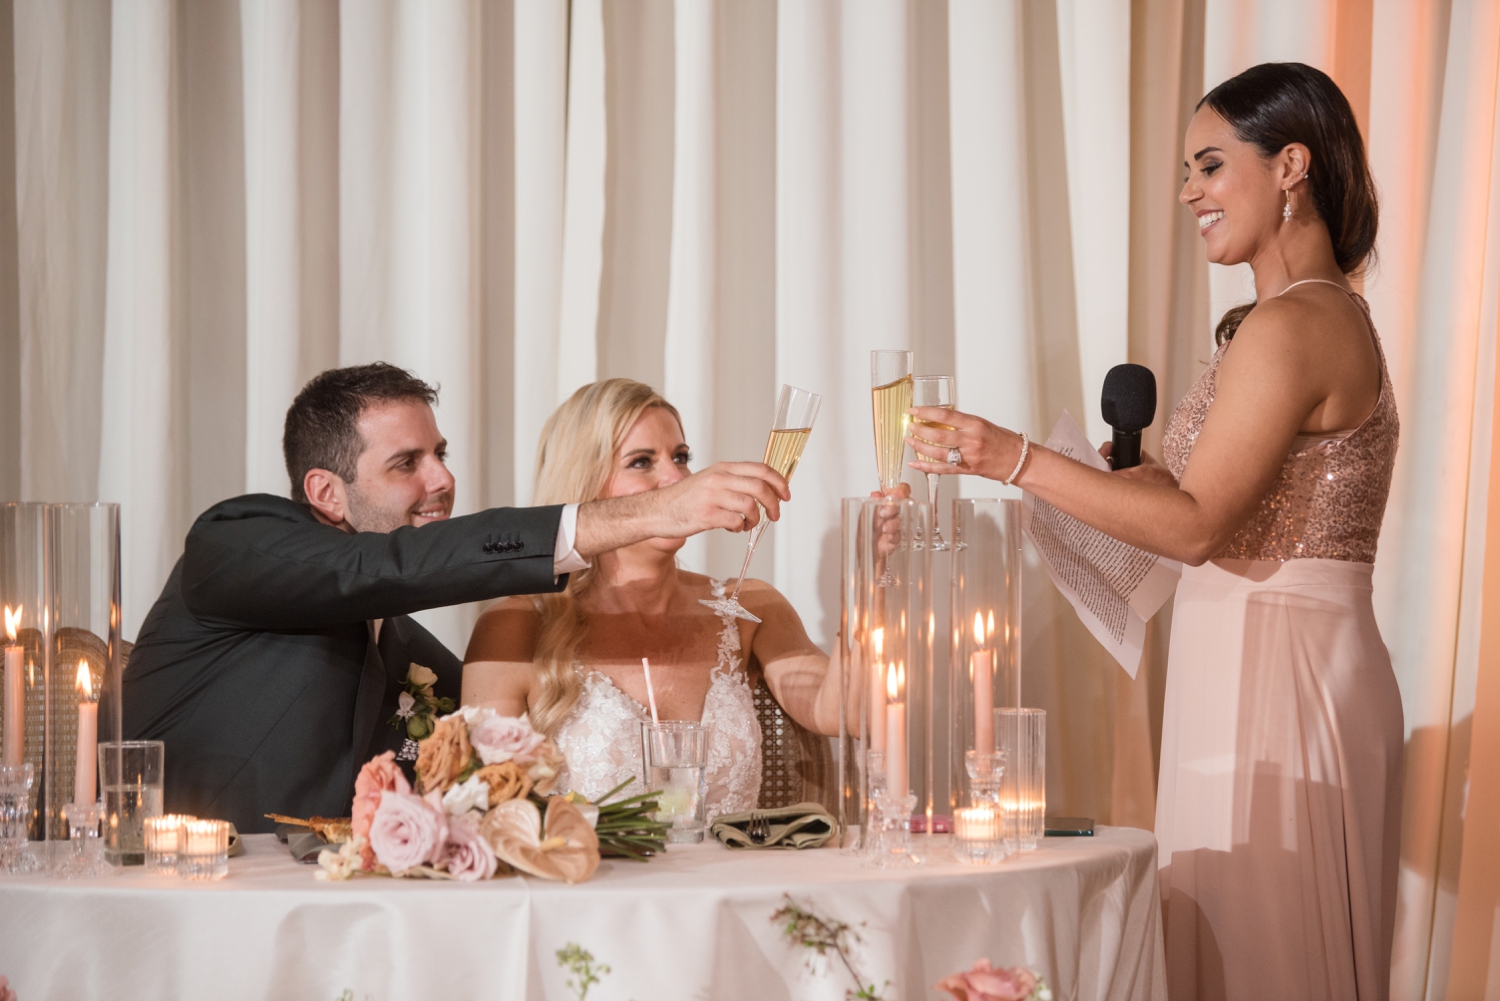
216 200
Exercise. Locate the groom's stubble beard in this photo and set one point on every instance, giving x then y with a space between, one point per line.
368 515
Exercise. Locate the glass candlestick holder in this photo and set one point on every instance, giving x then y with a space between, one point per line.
891 848
15 816
83 855
979 829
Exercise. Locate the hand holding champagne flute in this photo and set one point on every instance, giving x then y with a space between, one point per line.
796 410
934 391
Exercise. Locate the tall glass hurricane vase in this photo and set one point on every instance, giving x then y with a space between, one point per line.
934 391
984 671
23 678
796 411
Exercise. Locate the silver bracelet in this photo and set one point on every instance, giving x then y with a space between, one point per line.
1025 450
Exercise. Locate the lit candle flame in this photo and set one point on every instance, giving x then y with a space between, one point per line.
979 629
12 622
893 682
85 680
878 635
991 631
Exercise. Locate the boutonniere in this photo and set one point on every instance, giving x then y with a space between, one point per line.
416 703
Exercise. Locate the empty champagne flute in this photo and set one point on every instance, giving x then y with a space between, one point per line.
796 410
934 391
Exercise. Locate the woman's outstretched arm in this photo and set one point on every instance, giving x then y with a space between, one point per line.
803 678
1269 383
498 669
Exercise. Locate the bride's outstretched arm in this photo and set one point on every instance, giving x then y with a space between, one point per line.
802 678
498 669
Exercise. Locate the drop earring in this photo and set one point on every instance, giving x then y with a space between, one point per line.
1286 210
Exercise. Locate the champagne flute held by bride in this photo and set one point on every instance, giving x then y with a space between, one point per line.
796 410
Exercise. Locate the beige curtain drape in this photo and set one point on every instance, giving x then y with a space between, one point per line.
215 199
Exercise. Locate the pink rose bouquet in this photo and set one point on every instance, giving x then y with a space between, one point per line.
985 983
474 768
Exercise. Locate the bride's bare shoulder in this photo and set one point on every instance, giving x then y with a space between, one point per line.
506 631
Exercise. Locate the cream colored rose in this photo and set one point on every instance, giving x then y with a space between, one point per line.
419 675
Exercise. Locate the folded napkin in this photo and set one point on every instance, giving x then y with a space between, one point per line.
801 825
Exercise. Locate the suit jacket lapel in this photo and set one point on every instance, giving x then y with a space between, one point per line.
367 703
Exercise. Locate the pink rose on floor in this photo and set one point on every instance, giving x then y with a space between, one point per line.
379 775
985 984
407 831
498 739
466 855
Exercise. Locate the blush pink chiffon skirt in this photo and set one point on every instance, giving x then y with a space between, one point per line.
1279 802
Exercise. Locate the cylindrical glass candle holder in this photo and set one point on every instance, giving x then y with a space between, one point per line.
203 850
84 610
132 773
984 644
163 836
25 666
888 699
1023 738
82 855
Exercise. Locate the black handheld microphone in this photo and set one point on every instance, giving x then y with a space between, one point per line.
1129 404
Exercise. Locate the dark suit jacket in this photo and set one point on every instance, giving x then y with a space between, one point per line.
255 666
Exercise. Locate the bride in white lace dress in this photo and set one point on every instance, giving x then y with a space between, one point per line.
573 660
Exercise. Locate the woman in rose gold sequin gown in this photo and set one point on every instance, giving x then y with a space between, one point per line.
1278 803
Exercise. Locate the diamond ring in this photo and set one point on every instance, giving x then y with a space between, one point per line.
954 457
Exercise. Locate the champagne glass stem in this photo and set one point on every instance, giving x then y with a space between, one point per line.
932 495
760 527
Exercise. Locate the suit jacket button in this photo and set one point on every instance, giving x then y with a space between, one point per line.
489 547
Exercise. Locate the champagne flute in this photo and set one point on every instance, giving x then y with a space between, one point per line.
890 398
934 391
796 410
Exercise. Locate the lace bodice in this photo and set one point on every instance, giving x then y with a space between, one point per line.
601 737
1329 499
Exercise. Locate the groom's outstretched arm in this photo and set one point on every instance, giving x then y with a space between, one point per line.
262 562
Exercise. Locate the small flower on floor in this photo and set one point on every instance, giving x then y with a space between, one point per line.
984 983
6 994
580 962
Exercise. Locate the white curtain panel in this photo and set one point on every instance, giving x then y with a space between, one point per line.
514 198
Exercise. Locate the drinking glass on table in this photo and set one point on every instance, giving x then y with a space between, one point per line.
934 391
131 773
796 410
675 756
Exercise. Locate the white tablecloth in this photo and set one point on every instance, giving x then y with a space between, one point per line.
693 923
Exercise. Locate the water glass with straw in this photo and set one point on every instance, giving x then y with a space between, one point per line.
674 754
796 410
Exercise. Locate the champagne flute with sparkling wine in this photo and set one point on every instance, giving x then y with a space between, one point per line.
890 398
934 391
796 410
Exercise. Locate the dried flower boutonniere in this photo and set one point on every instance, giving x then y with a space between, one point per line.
417 705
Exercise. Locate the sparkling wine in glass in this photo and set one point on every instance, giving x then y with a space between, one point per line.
933 391
890 398
796 410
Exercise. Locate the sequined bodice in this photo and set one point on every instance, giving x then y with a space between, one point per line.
1329 499
601 737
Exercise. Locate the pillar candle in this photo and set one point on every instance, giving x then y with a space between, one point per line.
15 708
86 760
984 707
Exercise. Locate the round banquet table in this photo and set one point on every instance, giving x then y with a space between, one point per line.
692 923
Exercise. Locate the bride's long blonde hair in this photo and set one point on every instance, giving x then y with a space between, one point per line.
573 463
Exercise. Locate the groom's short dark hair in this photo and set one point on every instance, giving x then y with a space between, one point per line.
322 429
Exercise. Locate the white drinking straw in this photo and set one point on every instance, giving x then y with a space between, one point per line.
650 692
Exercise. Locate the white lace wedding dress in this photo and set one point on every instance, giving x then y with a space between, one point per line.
601 737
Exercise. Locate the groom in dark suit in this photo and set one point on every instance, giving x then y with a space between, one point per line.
274 663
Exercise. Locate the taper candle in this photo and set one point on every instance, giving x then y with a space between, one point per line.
984 710
86 762
14 751
895 737
877 692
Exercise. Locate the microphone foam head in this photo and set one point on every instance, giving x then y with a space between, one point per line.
1129 398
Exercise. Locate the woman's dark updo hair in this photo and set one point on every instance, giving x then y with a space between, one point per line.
1274 105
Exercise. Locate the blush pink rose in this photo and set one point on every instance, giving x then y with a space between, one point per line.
6 994
379 775
983 983
498 739
466 855
407 831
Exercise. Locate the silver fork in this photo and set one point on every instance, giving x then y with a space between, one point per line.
759 828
